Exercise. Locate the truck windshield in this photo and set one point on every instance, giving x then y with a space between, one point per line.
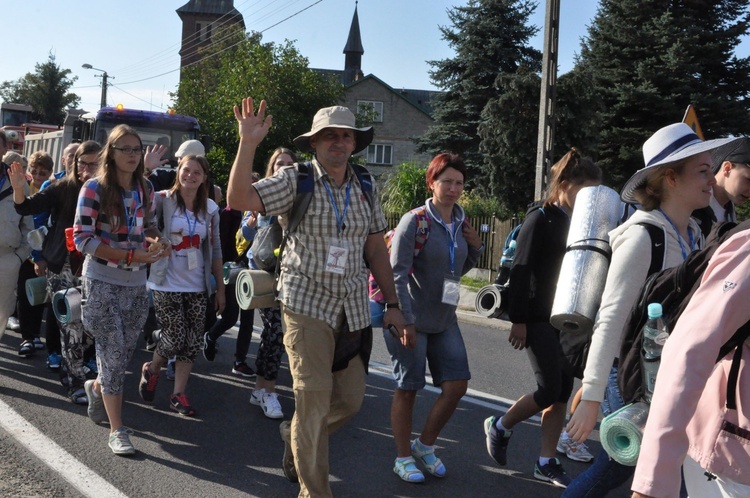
150 136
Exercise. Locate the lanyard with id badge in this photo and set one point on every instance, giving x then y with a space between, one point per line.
338 252
451 283
192 251
131 219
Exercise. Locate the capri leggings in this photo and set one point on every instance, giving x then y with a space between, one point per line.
545 355
114 315
182 316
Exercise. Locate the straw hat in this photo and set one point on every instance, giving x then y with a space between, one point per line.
335 117
668 145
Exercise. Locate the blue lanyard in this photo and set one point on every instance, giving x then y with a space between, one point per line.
191 229
679 237
452 242
130 216
339 219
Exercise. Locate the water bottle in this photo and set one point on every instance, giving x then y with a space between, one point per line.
655 335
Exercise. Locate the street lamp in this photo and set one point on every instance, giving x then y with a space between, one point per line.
104 82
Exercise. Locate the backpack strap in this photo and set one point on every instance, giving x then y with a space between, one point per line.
658 249
305 187
423 229
365 181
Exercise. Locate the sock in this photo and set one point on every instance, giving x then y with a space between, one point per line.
402 459
421 445
543 461
499 424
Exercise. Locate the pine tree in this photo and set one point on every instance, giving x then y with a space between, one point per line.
490 39
649 59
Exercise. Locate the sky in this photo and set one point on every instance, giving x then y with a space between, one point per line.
137 41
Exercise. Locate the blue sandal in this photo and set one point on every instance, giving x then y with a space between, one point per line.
426 455
407 470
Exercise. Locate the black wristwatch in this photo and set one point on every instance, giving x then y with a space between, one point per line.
392 306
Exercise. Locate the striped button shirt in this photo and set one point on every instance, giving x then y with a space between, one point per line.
306 288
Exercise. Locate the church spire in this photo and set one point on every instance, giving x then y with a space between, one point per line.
353 51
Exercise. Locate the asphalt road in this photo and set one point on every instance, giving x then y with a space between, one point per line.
231 449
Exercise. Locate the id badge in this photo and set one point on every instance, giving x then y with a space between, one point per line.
451 290
192 255
336 259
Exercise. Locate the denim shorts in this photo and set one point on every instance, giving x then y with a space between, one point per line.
445 352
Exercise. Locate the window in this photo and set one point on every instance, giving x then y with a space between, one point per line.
376 107
379 154
203 31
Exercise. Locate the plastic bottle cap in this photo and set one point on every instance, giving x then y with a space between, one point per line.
654 310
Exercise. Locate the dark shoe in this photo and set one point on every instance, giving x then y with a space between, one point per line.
147 386
552 473
27 349
78 396
287 461
497 444
38 344
243 369
179 403
209 347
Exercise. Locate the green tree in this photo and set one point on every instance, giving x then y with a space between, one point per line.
240 66
490 39
46 90
648 60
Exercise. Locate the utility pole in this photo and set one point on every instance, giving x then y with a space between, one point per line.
104 77
546 136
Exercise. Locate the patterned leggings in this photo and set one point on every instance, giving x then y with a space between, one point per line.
182 316
75 340
114 315
271 347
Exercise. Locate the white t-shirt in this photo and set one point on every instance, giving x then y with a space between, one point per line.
186 236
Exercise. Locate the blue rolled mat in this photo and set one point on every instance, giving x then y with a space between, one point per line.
622 432
36 290
66 304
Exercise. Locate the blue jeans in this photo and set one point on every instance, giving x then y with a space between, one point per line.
605 474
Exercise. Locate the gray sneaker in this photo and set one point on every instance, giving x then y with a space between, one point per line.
96 410
119 442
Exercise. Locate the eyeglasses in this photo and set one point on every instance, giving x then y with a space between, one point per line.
90 166
128 150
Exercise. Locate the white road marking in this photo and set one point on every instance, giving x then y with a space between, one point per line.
81 477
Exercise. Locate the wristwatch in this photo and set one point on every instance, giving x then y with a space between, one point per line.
392 306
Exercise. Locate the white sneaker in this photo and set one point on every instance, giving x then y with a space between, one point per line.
269 402
573 450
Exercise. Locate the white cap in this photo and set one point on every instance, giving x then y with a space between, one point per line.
190 148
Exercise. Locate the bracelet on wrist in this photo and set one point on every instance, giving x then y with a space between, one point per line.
130 257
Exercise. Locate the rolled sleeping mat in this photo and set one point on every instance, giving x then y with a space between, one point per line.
255 289
492 301
36 290
621 433
230 272
584 268
66 304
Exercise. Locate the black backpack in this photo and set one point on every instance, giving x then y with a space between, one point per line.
673 288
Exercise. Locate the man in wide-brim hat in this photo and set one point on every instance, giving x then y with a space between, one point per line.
323 282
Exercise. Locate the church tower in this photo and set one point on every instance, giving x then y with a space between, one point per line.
353 51
200 20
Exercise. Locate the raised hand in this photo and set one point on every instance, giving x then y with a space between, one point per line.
153 157
253 127
17 175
